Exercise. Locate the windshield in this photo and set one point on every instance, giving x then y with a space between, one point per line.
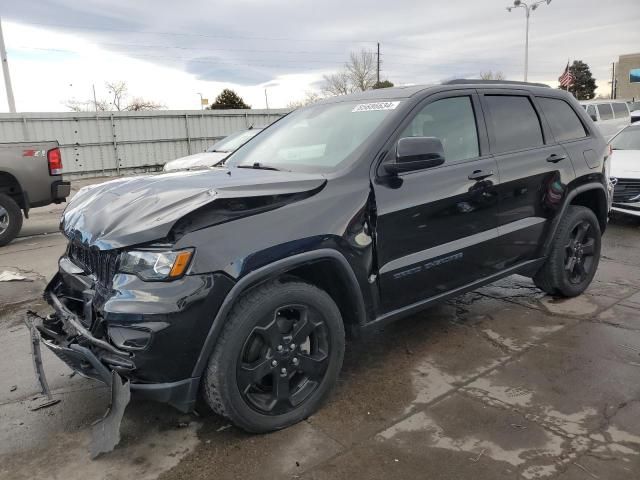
627 139
234 141
314 139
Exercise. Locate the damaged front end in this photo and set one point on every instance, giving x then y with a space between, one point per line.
148 332
132 335
66 333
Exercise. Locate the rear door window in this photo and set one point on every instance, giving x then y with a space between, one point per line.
620 110
605 111
591 111
514 123
562 119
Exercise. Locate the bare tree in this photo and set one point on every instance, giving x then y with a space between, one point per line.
361 69
118 101
138 104
358 74
76 105
309 98
489 75
337 84
118 91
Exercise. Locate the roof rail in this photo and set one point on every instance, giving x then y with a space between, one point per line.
466 81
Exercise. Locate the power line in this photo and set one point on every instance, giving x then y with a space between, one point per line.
198 60
178 47
205 35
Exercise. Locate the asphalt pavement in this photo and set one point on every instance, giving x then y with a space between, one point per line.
503 382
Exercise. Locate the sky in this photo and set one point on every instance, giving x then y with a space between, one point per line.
169 52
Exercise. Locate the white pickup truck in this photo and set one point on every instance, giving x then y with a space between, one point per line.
30 176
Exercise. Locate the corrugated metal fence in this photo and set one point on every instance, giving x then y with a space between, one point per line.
107 143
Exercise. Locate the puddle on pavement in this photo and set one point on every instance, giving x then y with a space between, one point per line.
458 425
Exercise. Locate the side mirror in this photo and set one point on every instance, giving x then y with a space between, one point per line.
416 153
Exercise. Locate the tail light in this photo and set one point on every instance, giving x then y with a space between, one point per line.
54 157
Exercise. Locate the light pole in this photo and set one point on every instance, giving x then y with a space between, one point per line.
201 101
5 70
528 10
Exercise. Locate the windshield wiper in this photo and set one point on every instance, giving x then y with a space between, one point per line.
259 166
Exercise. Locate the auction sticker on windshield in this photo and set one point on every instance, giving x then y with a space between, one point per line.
369 107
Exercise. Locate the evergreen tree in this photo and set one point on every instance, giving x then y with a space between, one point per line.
383 84
228 99
584 85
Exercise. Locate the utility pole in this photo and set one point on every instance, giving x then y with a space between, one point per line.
5 71
378 68
613 80
95 102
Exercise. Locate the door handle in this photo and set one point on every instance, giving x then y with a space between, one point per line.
480 174
555 158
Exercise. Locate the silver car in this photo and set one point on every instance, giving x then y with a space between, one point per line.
214 154
610 116
625 170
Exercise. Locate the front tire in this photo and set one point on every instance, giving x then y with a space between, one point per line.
10 219
574 256
278 357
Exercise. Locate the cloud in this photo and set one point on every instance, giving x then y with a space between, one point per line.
215 69
250 44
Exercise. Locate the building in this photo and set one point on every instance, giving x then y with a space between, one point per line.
628 77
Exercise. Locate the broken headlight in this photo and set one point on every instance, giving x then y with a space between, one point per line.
155 265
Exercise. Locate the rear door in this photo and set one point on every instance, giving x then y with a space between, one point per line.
436 227
534 171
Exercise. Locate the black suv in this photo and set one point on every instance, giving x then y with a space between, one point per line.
239 282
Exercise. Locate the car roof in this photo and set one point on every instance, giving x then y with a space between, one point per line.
407 91
380 93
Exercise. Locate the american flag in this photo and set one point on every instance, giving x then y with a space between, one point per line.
567 78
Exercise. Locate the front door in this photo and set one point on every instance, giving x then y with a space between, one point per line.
436 227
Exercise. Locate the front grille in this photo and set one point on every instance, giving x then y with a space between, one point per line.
101 263
626 189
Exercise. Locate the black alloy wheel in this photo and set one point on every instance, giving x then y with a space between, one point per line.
574 254
277 358
579 251
284 359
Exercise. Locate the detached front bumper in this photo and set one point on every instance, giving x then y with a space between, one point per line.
150 333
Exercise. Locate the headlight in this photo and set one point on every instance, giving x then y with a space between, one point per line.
151 265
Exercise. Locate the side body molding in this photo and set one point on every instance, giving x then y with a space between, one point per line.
269 272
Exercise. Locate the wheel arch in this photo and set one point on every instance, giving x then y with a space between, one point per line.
315 267
10 186
591 195
594 199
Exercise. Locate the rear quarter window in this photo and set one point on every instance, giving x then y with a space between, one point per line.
605 111
514 123
562 119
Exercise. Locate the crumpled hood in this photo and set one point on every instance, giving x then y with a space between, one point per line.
202 159
136 210
625 164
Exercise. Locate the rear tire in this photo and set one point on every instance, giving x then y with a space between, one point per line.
10 219
278 357
574 256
